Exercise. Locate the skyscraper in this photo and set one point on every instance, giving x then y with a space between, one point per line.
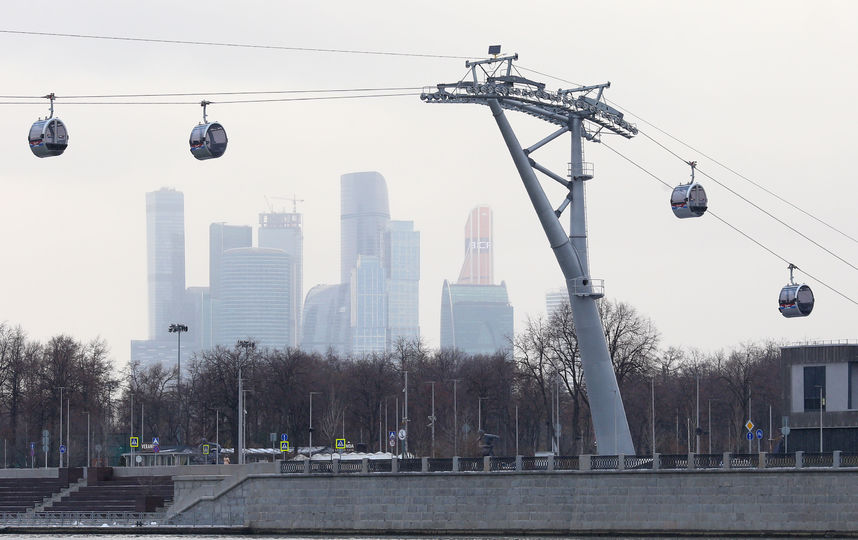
368 306
327 319
478 268
221 238
476 316
254 297
282 230
165 259
364 215
402 264
554 299
476 319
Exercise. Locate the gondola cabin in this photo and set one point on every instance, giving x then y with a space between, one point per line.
48 137
796 301
688 200
208 141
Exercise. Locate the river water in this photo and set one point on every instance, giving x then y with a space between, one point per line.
63 536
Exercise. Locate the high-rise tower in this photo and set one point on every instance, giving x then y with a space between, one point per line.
364 215
165 259
402 263
283 230
478 268
254 297
476 316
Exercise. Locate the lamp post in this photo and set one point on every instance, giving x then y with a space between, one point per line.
88 460
61 427
311 425
455 420
247 345
821 406
432 417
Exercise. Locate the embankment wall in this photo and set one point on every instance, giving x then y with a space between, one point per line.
565 502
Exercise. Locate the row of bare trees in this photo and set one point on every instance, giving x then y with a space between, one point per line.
513 394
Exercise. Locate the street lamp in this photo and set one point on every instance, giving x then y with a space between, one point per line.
247 345
455 419
311 424
432 417
178 328
59 450
821 406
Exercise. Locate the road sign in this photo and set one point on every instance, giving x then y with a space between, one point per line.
284 437
134 442
272 436
284 446
206 449
785 431
156 441
62 449
46 438
391 438
759 433
32 449
749 425
156 448
750 436
340 444
402 434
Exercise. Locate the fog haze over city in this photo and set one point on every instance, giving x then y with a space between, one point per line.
766 88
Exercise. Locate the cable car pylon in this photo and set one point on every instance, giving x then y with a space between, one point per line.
583 113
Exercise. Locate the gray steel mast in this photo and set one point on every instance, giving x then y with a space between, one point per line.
585 115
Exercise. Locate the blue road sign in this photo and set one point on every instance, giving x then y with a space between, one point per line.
750 436
156 441
32 445
284 437
759 433
62 449
156 448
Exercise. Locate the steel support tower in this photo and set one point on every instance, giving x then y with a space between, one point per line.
584 114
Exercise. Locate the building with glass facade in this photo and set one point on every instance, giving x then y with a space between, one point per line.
476 316
368 306
283 230
554 299
402 264
165 259
476 319
327 319
254 297
364 216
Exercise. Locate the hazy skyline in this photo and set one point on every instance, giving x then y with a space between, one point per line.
728 78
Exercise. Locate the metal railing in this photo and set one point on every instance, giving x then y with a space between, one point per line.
80 519
440 464
665 462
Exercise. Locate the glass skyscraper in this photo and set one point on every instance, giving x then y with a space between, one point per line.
165 259
476 319
368 306
327 319
364 215
402 263
283 230
254 297
476 316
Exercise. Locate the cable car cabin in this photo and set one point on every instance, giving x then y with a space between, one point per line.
48 137
208 141
688 200
796 301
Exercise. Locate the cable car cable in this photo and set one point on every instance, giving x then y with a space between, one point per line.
234 45
758 207
238 93
738 230
740 175
309 98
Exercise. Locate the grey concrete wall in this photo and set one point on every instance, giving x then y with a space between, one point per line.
560 502
44 472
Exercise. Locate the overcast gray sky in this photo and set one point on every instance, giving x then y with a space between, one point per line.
768 88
